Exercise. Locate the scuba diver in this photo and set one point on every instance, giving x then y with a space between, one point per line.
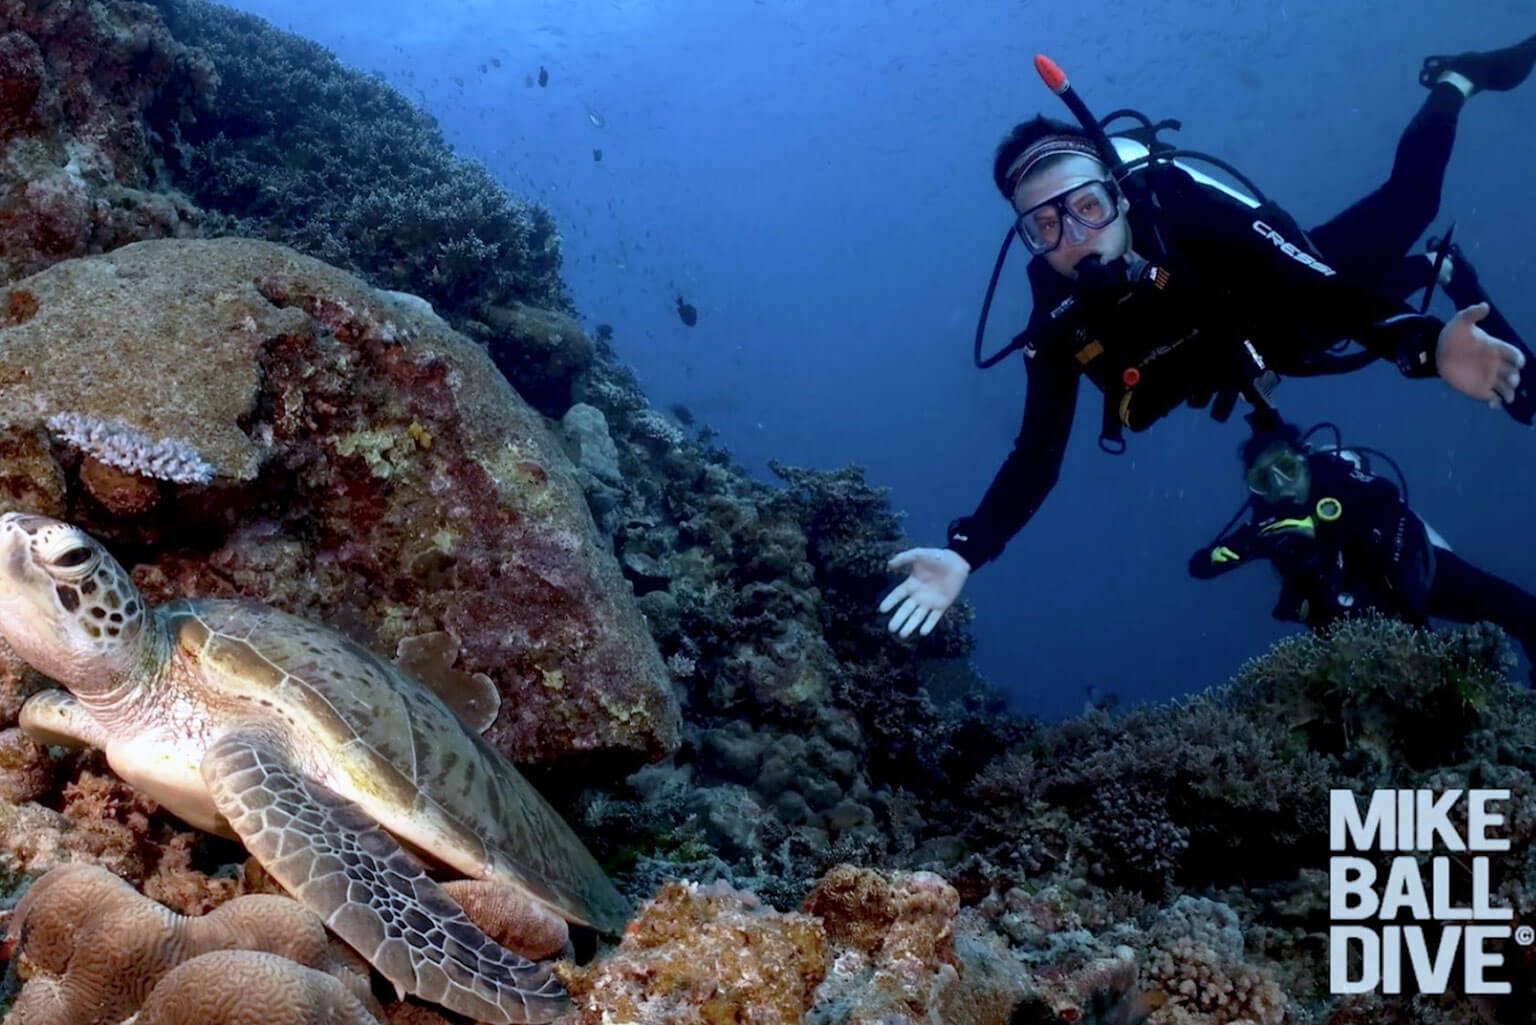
1165 286
1346 543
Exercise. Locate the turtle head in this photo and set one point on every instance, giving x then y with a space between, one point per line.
67 606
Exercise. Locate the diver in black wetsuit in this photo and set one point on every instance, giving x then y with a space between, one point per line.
1230 297
1345 543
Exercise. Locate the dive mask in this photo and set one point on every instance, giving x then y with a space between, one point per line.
1091 205
1277 472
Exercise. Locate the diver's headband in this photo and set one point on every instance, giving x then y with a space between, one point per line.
1048 146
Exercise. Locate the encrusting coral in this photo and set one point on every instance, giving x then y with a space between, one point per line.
704 956
117 444
893 937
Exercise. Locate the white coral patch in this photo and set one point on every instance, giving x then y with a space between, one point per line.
125 447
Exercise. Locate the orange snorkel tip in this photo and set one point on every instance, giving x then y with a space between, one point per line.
1050 72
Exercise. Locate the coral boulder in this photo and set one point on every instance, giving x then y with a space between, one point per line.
239 420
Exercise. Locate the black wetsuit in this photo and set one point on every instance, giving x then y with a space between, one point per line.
1230 274
1355 547
1352 546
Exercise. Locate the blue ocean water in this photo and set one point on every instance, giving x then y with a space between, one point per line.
815 179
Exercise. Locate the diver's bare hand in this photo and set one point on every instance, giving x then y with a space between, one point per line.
1474 362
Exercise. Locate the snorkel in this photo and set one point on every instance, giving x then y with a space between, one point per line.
1057 82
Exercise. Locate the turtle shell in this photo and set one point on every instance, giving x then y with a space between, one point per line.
372 733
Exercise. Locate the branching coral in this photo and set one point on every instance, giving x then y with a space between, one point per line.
1376 691
301 150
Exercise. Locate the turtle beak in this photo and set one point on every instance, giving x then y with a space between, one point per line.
27 523
14 537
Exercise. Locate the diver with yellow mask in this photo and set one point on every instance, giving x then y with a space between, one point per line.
1344 541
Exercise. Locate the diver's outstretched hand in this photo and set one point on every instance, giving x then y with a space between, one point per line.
934 582
1474 362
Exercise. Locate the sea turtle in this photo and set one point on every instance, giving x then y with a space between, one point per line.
329 763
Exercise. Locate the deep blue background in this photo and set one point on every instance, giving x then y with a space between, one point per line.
815 177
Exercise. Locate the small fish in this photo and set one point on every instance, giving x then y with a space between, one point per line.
543 75
597 156
598 121
687 312
495 62
604 332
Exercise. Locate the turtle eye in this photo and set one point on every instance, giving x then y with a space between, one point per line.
74 557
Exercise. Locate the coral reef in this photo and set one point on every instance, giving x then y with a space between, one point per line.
121 122
705 956
1196 961
1101 991
257 424
356 463
543 352
78 82
294 148
893 941
93 818
1381 691
248 987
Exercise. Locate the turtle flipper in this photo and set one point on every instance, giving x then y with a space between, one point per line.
57 717
369 890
